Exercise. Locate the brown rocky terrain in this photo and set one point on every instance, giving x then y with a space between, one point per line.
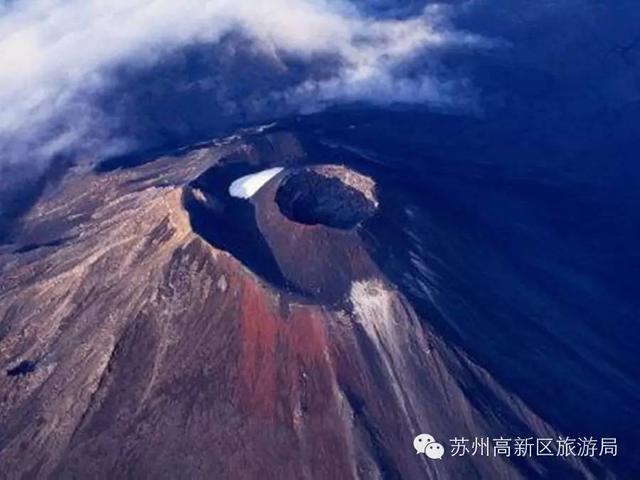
138 349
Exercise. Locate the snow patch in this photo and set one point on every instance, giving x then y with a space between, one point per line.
376 310
373 306
247 186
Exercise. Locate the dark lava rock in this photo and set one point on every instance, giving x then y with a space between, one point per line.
312 198
23 368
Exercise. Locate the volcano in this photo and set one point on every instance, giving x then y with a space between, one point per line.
173 330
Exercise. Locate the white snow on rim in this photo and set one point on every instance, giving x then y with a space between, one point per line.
247 186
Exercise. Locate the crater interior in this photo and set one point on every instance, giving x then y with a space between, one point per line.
334 196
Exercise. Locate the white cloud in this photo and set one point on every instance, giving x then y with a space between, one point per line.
55 55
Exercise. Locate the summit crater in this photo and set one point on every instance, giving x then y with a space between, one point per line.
333 196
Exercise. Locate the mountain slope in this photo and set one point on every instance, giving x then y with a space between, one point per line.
154 351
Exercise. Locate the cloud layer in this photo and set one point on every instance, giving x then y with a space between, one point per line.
56 56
